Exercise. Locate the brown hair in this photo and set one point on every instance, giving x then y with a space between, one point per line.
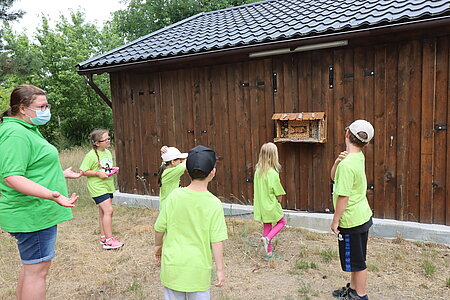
22 95
354 139
94 137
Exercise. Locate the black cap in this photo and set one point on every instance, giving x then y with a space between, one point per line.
201 158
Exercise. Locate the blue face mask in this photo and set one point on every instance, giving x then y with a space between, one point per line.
42 117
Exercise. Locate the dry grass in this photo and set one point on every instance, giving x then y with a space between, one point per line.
307 269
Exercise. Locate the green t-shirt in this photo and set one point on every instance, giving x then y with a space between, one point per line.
170 180
350 180
96 185
25 152
266 188
192 221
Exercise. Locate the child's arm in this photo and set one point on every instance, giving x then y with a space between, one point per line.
158 246
91 173
341 156
31 188
217 249
280 198
341 205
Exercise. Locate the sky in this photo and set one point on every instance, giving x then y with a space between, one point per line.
95 10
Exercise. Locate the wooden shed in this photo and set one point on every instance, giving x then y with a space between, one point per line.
218 78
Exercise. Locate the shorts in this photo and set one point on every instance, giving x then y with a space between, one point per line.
352 251
170 294
100 199
36 247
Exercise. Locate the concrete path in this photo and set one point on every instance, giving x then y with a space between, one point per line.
318 222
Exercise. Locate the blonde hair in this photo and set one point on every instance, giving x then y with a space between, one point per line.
268 158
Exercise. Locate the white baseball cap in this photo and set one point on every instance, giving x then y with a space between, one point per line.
172 153
362 126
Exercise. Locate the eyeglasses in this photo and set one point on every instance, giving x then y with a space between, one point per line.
42 107
105 140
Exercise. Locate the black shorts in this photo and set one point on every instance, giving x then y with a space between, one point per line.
352 251
102 198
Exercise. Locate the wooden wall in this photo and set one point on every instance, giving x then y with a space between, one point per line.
402 88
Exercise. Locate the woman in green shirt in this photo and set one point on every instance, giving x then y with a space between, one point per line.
33 190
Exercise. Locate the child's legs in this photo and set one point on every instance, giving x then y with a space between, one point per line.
170 294
276 229
352 252
107 213
100 221
267 229
358 282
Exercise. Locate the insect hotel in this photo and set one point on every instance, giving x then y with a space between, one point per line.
301 127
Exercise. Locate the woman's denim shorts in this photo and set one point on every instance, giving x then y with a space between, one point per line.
38 246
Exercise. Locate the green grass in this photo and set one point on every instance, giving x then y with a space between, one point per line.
373 268
448 282
313 236
300 266
134 287
328 254
428 267
305 291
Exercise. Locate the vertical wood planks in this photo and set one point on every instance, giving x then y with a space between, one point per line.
440 162
426 132
392 135
304 151
406 97
380 140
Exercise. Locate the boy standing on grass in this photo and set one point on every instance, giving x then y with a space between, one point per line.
193 221
352 214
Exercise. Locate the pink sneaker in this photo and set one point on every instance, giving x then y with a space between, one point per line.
112 243
102 240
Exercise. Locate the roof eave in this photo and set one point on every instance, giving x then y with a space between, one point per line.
291 43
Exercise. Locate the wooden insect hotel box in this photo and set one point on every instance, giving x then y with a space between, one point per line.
309 127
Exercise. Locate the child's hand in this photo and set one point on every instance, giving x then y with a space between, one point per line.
102 175
64 201
164 149
334 227
157 254
341 156
220 278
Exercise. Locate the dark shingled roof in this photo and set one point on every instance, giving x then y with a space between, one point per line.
263 22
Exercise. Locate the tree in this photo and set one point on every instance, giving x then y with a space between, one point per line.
142 17
5 11
51 60
77 108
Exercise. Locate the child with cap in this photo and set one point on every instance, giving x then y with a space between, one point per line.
170 171
189 230
352 214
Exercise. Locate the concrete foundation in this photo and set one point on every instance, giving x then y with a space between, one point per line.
318 222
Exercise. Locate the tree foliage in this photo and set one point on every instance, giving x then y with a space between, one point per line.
6 14
48 59
50 63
